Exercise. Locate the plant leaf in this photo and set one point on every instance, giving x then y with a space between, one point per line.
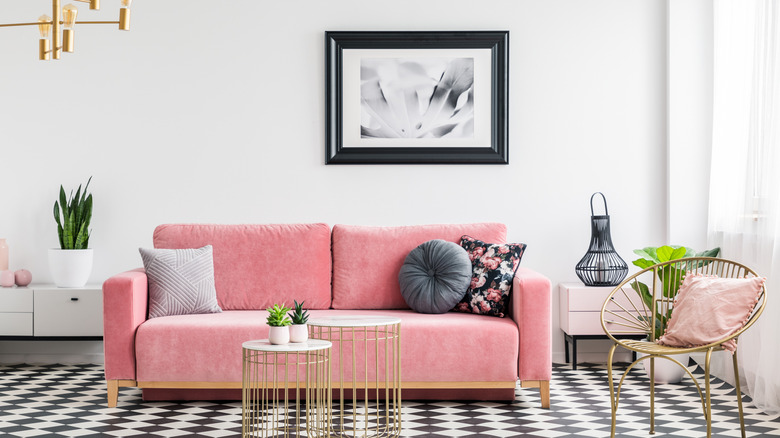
643 263
714 252
648 253
644 292
664 253
679 253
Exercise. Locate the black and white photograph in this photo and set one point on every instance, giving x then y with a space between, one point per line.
417 97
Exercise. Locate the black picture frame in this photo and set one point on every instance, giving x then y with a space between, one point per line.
493 46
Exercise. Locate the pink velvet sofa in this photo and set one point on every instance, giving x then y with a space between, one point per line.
344 271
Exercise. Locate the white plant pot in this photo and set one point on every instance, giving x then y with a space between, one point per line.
279 335
299 333
70 267
666 371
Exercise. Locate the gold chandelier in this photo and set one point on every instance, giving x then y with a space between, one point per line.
52 42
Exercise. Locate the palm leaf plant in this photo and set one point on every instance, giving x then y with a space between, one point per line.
277 316
671 276
299 316
73 215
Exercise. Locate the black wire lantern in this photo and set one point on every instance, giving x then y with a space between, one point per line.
601 265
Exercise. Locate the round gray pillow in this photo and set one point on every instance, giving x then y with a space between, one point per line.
435 276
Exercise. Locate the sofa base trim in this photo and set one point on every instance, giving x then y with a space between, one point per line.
544 390
335 384
477 394
543 385
506 386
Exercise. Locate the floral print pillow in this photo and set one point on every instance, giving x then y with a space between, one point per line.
493 269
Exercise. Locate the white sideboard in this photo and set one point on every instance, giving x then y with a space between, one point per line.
580 315
48 312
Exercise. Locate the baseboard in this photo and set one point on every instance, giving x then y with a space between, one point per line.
42 359
51 352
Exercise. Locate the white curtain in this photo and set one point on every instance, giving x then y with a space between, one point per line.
744 212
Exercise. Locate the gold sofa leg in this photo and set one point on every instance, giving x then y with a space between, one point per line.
544 390
113 392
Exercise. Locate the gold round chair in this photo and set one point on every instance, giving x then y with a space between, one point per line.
628 308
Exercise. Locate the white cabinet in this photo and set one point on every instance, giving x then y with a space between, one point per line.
49 311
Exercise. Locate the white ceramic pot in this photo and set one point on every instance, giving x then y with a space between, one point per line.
70 267
299 333
666 371
279 335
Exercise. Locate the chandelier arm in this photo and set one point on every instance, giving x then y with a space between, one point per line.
20 24
78 22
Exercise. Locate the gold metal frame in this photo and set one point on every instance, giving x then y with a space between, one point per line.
384 418
266 390
62 39
625 309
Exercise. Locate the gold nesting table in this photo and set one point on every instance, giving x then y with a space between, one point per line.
373 382
269 373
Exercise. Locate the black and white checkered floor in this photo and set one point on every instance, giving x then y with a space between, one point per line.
69 400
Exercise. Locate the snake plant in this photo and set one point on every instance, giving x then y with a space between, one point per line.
73 215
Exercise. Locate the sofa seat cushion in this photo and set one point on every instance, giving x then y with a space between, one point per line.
253 263
367 260
450 347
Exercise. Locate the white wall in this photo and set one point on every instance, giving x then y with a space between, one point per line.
690 120
215 113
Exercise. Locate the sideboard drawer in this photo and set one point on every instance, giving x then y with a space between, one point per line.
579 298
589 323
16 300
63 312
16 324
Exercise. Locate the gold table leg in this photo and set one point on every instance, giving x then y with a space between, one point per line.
380 417
266 388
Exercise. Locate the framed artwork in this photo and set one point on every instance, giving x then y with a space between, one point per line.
417 97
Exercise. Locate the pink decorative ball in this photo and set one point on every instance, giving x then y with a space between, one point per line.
23 277
6 278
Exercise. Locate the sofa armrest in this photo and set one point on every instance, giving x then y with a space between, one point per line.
125 298
531 308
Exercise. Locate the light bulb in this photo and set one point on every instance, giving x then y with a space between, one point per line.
45 26
69 13
126 3
44 47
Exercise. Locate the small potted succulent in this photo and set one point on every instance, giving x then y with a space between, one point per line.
299 332
278 322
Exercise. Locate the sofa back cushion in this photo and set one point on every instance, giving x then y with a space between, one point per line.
256 266
367 260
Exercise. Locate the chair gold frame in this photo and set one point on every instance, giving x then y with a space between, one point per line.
624 308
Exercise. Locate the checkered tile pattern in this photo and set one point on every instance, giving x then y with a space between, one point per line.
69 401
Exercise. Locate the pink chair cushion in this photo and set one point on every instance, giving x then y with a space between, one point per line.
708 309
256 264
367 260
174 348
